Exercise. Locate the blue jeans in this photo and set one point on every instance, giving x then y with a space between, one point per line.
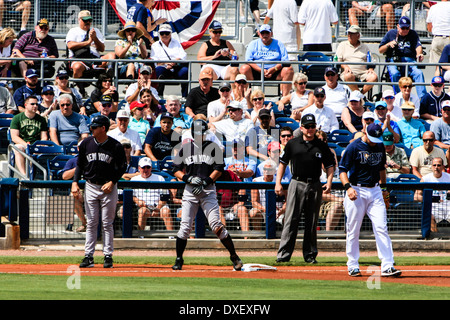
415 73
178 72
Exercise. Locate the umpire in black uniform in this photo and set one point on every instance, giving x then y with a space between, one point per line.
305 154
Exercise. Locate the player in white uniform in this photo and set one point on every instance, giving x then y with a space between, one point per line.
362 171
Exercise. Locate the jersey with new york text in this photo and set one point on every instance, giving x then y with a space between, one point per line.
100 161
363 163
199 160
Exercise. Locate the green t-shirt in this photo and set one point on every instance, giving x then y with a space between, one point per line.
29 129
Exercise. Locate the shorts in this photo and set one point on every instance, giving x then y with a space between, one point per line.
257 75
219 69
358 76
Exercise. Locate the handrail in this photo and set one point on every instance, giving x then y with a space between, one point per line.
29 159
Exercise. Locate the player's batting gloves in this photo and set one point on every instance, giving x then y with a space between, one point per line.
193 180
207 182
196 190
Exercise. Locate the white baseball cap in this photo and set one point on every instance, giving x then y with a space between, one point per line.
356 96
145 162
368 115
122 113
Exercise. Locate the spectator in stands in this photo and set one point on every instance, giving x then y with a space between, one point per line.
384 120
403 45
103 87
24 6
152 107
411 129
317 17
325 117
37 44
7 103
439 209
210 136
26 128
352 114
65 125
422 156
238 163
199 97
137 122
438 25
148 200
396 158
266 48
143 82
130 46
67 174
131 169
48 101
258 100
181 121
7 37
168 48
337 93
273 152
366 9
217 109
105 110
431 103
236 126
220 50
353 50
242 92
445 58
123 132
388 96
31 87
258 211
285 25
161 141
298 100
405 94
140 13
441 128
286 134
84 41
62 86
260 136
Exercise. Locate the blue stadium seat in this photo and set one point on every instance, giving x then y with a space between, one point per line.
314 72
42 150
166 164
71 148
55 166
340 135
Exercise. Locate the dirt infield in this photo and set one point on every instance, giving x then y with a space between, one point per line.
423 275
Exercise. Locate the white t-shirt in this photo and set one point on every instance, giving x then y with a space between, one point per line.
132 88
439 209
337 98
174 50
284 14
77 34
317 16
215 108
439 15
325 118
130 134
149 196
233 129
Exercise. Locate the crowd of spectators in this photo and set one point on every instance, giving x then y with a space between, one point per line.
241 119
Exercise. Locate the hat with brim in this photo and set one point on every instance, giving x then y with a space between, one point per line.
85 15
144 162
374 133
165 27
354 29
130 25
43 22
308 119
388 138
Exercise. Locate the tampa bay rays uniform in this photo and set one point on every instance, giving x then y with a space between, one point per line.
99 163
363 164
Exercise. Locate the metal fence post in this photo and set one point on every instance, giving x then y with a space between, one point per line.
426 213
24 213
271 214
127 214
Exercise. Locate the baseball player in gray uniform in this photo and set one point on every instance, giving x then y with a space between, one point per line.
203 163
101 161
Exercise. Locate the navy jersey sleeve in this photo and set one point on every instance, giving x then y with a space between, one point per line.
347 158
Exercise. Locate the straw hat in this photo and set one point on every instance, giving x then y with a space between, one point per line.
130 25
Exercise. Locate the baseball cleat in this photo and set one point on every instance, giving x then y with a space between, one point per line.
178 264
108 262
88 262
237 262
355 272
391 272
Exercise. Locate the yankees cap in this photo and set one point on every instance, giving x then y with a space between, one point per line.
374 133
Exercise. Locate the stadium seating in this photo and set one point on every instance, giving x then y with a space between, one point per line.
40 151
56 165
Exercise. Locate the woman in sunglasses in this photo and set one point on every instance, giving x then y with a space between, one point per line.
300 99
104 86
406 86
258 97
62 86
218 49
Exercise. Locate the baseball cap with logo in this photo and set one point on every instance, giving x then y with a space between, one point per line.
319 90
445 104
404 22
388 138
166 115
274 145
206 74
106 99
224 84
437 79
265 27
145 161
85 15
215 25
146 68
381 104
122 113
136 104
165 27
308 119
31 73
331 69
43 22
374 133
47 88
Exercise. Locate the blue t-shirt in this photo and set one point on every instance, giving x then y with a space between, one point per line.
184 121
393 124
406 46
24 92
138 12
441 131
241 165
161 144
363 163
445 56
69 128
412 132
275 51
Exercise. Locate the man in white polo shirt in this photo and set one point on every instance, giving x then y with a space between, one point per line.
325 117
337 93
123 132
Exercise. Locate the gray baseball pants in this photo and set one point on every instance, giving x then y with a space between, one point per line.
99 204
207 200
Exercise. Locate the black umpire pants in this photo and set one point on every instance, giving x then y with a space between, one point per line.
303 198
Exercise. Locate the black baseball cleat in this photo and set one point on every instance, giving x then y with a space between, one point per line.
237 262
178 264
311 260
88 262
391 272
108 262
283 260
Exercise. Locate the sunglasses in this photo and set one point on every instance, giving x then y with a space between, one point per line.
145 73
63 78
65 104
330 74
264 32
146 167
380 108
258 99
309 126
404 28
302 83
233 109
389 98
241 82
106 105
319 96
127 146
437 165
225 90
446 109
107 80
428 140
130 30
43 27
437 85
286 135
48 94
164 33
409 86
217 32
87 20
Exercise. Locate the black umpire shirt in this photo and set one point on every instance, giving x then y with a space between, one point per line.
306 158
